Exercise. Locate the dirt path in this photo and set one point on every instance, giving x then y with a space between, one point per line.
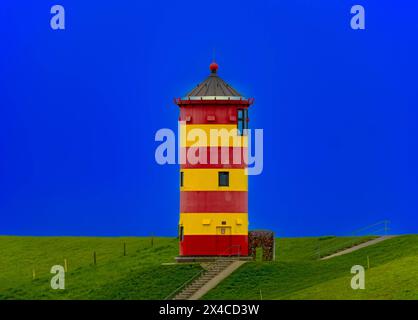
357 247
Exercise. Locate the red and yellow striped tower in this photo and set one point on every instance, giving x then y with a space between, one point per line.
213 182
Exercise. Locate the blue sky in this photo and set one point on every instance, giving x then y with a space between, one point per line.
79 109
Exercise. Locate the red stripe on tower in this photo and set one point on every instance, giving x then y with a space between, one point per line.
209 245
213 201
210 114
214 157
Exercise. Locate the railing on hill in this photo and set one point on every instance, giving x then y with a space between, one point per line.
231 253
375 229
382 226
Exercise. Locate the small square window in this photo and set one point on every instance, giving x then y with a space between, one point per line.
181 178
223 179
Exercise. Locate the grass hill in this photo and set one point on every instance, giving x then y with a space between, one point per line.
138 275
296 274
393 273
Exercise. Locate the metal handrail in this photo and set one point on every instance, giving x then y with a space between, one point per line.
172 294
385 222
356 233
234 245
187 282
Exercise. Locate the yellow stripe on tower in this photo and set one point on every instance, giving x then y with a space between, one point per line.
212 223
211 135
207 180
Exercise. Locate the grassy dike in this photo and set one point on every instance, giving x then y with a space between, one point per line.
296 274
138 275
393 273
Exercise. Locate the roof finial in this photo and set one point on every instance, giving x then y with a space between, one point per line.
213 67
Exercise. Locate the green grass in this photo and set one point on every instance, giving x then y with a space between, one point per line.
138 275
296 274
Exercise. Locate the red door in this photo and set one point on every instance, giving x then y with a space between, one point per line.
223 241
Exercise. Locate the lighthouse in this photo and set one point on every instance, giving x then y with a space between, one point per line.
213 180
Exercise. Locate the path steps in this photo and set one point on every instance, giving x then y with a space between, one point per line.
216 272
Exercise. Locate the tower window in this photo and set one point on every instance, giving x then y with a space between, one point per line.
181 178
223 179
242 122
181 233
